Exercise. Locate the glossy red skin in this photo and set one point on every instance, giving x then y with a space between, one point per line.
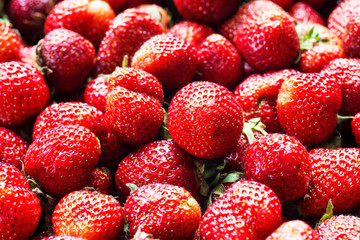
303 12
171 59
100 215
12 147
307 107
340 227
219 62
237 213
29 91
334 176
96 91
268 42
10 44
355 126
19 206
285 169
347 73
128 31
102 180
61 50
294 229
205 119
62 159
157 162
90 19
163 210
352 38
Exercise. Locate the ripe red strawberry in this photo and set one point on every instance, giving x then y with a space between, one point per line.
28 90
172 164
95 92
268 42
19 207
355 126
102 180
90 215
307 107
60 51
10 44
295 229
219 62
347 73
163 210
89 18
247 210
352 37
333 176
127 32
63 238
340 227
303 12
285 169
62 159
205 119
12 147
168 57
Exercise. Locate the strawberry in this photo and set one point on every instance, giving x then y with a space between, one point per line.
247 210
19 207
89 18
28 89
171 59
268 42
340 227
13 147
346 72
307 107
219 62
102 180
173 166
10 44
303 12
295 229
100 216
205 119
63 238
285 169
355 126
116 5
317 4
128 31
352 38
334 177
163 210
60 51
95 92
62 159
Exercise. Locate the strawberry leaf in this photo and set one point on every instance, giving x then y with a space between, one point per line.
327 215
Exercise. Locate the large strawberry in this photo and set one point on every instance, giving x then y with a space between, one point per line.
307 107
295 229
90 215
205 119
163 210
10 44
19 207
28 90
340 227
247 210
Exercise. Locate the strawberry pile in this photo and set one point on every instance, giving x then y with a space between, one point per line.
179 120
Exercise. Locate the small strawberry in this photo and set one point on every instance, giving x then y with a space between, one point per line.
205 119
10 44
89 215
163 210
340 227
95 92
68 58
62 159
307 107
247 210
102 180
355 126
171 59
352 37
295 229
19 207
303 12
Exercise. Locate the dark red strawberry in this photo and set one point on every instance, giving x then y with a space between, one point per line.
355 126
95 92
303 12
285 4
340 227
102 180
295 229
116 5
10 44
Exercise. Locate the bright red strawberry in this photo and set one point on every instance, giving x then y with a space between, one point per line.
347 73
135 118
285 169
127 32
247 210
171 59
62 158
173 166
163 210
334 177
10 44
303 12
307 107
100 216
219 62
102 180
60 51
268 42
28 90
340 227
295 230
89 18
95 92
355 126
352 37
205 119
19 207
12 147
